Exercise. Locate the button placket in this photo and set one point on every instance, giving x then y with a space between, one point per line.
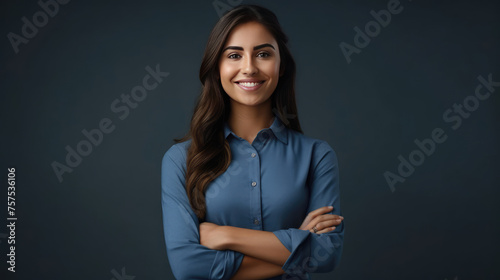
255 193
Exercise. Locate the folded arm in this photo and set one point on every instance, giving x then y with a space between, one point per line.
259 244
262 249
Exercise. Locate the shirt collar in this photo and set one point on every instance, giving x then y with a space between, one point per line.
278 128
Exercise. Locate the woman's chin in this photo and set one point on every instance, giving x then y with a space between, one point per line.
251 103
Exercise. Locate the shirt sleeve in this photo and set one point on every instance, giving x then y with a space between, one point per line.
311 252
188 258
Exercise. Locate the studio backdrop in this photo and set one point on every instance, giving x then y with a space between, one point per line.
94 92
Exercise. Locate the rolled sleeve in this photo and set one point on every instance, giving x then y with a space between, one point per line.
188 258
311 252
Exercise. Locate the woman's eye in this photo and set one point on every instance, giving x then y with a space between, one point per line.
233 56
263 54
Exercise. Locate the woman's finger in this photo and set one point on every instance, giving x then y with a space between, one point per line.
323 222
327 224
328 229
314 214
320 211
337 219
325 217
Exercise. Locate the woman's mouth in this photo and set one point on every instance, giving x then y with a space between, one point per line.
250 85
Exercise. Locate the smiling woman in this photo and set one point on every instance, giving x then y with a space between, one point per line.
247 70
245 195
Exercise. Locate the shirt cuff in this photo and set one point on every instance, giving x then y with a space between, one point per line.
225 264
294 240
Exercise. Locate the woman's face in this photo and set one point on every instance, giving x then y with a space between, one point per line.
249 65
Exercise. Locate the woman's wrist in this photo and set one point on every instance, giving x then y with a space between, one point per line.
226 237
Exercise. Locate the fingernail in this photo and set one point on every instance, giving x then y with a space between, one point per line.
341 217
331 207
333 228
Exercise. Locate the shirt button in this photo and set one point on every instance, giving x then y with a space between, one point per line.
253 154
256 222
254 184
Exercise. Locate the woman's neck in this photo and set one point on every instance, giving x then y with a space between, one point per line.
246 121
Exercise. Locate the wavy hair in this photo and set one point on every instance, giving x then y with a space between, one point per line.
209 154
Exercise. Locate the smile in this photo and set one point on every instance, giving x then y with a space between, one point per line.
250 85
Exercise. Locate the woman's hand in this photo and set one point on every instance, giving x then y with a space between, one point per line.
212 236
320 221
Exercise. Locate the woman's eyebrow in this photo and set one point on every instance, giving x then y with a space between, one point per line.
254 48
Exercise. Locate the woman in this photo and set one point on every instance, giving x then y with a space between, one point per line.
245 194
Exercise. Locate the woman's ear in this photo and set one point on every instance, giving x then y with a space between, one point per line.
282 69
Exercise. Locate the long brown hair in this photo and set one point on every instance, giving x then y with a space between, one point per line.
209 154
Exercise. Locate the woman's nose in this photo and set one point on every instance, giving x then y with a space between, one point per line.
249 67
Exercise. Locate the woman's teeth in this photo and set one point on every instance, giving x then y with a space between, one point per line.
246 84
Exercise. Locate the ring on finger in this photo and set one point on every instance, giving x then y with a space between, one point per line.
315 229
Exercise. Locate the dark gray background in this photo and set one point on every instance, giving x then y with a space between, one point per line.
441 223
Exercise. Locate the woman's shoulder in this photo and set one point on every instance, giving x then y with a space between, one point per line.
178 153
316 145
173 170
318 151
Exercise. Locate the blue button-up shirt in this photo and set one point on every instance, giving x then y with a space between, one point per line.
271 185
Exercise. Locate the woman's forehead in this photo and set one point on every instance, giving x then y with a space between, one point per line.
250 34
